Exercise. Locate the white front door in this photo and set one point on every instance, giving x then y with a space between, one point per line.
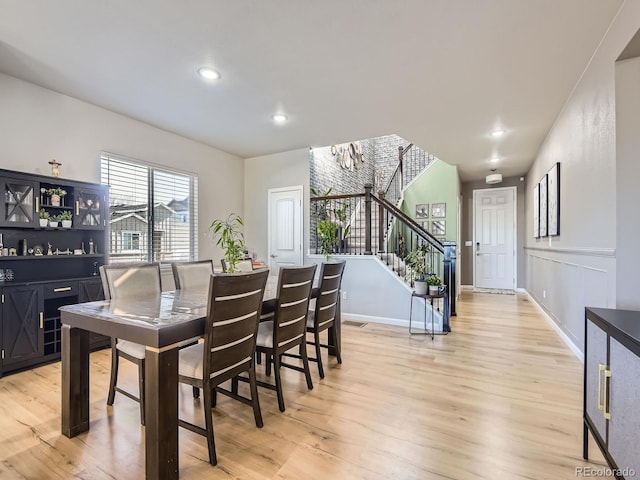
285 227
494 238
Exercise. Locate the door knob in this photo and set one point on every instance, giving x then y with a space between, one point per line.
273 256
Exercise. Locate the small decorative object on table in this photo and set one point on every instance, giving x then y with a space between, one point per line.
434 282
416 261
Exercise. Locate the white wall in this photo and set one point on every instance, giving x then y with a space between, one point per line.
284 169
37 125
578 268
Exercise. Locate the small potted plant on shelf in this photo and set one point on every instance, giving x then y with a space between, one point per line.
53 221
417 266
44 218
434 282
65 217
55 195
230 238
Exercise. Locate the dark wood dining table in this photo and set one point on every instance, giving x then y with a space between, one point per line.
161 323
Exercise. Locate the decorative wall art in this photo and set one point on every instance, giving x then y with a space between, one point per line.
438 227
422 210
536 211
543 206
553 197
348 155
438 210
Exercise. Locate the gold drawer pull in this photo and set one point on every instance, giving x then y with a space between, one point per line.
601 368
607 401
41 320
62 289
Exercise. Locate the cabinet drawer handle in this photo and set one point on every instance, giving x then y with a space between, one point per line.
41 320
607 400
77 208
37 204
62 289
601 368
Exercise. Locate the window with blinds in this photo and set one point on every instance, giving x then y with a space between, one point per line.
165 232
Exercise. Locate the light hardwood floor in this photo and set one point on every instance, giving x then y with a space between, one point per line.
500 397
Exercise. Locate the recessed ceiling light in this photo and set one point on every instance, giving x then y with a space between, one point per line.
208 73
495 160
497 133
279 117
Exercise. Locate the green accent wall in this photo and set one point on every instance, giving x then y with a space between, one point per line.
437 184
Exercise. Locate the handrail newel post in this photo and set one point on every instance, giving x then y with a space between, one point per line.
450 274
367 219
381 225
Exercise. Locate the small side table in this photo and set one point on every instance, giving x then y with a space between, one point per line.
430 298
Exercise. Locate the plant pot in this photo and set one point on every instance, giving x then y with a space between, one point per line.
44 222
53 224
66 223
420 287
55 200
434 289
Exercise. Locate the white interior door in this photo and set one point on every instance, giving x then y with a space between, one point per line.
494 238
285 227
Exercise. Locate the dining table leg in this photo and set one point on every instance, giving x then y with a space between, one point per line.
161 413
75 380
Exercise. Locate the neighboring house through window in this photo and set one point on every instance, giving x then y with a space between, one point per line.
165 233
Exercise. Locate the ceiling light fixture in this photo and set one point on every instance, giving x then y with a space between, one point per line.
493 178
497 133
495 160
208 73
279 117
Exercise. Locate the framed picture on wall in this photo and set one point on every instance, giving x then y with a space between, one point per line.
438 227
553 195
543 206
422 210
536 211
438 210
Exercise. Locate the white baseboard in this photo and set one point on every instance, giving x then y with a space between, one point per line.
574 348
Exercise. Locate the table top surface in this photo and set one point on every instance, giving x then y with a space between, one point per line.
156 321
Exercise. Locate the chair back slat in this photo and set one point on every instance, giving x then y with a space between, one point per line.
130 281
327 300
232 322
192 275
294 290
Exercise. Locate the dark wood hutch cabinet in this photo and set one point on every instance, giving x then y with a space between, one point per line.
45 267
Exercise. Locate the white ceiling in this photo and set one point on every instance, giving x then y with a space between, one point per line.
440 73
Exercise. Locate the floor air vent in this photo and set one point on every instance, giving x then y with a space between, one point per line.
351 323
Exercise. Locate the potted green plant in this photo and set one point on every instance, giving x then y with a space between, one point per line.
326 229
229 236
434 282
55 194
66 217
44 217
417 266
53 221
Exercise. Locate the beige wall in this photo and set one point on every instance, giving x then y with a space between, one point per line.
37 125
284 169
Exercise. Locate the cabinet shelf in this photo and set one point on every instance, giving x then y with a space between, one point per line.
49 257
55 207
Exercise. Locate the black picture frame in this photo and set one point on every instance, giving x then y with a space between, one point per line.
553 200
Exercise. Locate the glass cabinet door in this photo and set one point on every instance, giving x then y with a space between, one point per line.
89 209
19 203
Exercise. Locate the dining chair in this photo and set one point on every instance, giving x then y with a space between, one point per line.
121 282
242 265
192 275
287 329
323 315
228 349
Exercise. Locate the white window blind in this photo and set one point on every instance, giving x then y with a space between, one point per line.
164 233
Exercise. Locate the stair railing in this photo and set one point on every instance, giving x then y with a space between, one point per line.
397 235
